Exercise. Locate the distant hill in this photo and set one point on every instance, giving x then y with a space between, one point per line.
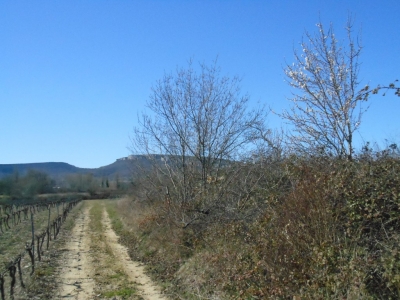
123 167
57 170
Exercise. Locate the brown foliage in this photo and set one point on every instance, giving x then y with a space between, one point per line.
323 229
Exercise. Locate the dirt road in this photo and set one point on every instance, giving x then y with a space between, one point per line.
95 266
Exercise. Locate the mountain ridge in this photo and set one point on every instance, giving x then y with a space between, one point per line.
121 167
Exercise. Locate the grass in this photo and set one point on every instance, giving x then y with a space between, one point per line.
117 224
158 249
45 270
111 280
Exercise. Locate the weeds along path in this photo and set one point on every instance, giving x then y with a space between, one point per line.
96 266
147 289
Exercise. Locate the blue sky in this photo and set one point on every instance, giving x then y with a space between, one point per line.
75 74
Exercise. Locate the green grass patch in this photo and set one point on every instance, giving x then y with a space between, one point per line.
123 292
45 271
95 217
116 275
116 222
70 221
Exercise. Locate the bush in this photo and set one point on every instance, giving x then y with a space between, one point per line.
317 228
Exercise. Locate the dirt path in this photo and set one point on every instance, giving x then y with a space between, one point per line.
76 280
96 266
133 269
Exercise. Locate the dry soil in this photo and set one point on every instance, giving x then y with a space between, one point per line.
93 268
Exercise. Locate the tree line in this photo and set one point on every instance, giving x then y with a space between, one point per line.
27 186
35 182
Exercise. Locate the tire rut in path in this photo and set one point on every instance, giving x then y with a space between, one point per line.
76 274
135 271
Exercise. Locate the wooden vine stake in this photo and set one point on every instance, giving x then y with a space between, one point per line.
33 235
48 229
3 297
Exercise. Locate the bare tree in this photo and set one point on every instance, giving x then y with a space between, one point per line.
327 108
197 123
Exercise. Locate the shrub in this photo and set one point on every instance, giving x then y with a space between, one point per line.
318 228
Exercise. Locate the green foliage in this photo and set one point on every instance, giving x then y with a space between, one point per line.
371 217
372 194
33 183
83 183
124 292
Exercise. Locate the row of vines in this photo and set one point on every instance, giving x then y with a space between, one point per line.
24 230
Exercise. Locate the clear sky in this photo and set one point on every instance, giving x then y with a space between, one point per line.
74 74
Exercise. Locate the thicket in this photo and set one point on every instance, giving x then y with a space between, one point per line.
315 228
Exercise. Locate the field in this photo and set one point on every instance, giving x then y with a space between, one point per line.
13 240
26 234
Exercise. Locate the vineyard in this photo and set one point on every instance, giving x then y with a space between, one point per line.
26 229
